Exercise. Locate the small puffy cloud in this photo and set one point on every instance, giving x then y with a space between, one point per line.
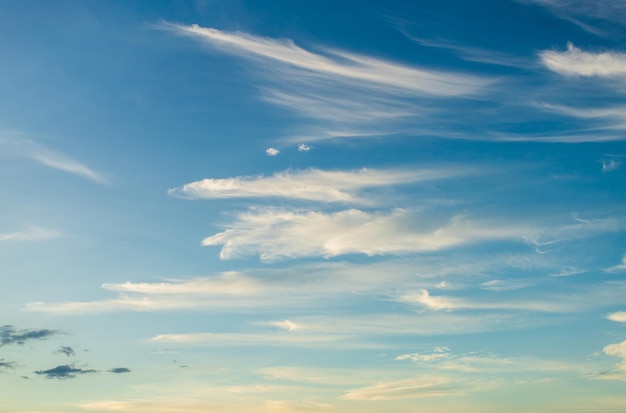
272 151
285 325
303 147
576 62
67 350
63 372
610 165
119 370
9 335
618 317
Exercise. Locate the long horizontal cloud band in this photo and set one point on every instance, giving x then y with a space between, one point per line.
312 184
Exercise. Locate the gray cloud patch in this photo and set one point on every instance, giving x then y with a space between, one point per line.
63 372
67 350
6 364
9 335
118 370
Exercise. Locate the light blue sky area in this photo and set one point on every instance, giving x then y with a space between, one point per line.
300 206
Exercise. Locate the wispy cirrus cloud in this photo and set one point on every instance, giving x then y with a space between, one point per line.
312 184
433 386
25 148
334 63
619 267
346 94
597 17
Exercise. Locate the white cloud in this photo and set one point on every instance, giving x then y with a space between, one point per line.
336 63
275 234
303 147
272 151
576 62
285 325
618 316
311 184
619 267
28 149
32 234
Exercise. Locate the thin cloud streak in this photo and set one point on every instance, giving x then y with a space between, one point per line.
32 234
28 149
336 63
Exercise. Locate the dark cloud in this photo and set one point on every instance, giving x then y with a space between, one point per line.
6 364
9 335
67 350
63 372
118 370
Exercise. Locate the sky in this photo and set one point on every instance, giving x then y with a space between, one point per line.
312 206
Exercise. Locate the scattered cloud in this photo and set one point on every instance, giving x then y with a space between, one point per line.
9 335
18 147
576 62
67 350
303 147
63 372
618 316
272 151
285 325
119 370
312 184
275 234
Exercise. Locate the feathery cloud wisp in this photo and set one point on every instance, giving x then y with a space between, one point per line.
28 149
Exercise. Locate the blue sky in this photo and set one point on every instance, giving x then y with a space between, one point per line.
305 206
